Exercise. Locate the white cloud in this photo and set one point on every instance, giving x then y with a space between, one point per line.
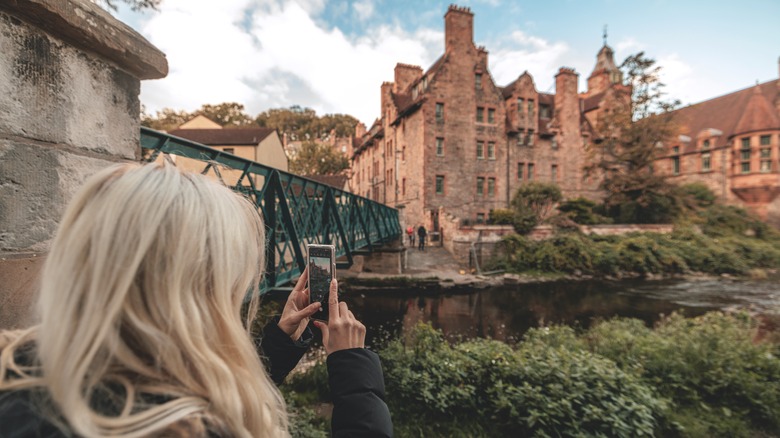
521 52
364 9
266 54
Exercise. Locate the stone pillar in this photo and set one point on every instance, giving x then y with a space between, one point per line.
69 84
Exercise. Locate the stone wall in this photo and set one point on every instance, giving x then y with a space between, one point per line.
69 84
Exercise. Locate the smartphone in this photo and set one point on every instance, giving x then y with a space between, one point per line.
322 269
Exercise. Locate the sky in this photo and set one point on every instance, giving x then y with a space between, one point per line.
332 56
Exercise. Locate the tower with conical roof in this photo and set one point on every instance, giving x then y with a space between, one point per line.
605 73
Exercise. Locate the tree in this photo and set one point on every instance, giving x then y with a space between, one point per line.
537 198
318 159
165 119
228 114
632 133
301 124
135 5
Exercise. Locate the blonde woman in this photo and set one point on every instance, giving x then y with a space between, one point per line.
140 329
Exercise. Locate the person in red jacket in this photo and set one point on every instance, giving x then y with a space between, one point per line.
141 330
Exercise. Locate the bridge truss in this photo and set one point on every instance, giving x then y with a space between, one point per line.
296 210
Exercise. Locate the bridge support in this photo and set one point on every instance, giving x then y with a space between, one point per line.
69 84
388 259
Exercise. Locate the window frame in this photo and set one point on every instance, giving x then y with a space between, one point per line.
480 186
480 150
439 146
439 184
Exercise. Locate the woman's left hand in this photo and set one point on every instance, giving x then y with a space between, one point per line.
297 309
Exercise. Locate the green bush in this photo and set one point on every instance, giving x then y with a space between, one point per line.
698 194
563 253
582 211
501 216
720 381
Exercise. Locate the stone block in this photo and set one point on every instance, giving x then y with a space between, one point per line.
19 282
36 183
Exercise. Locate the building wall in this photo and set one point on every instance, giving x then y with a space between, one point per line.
68 108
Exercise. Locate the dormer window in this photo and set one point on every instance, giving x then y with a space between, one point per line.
705 144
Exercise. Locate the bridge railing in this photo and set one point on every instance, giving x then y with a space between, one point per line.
296 210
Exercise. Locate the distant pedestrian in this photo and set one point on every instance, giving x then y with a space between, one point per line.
421 234
410 233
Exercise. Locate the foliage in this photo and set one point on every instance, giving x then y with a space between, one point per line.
536 198
227 115
720 381
721 220
582 211
698 194
135 5
629 135
318 159
501 216
300 124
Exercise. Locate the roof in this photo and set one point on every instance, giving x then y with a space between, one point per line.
225 137
736 113
592 102
336 181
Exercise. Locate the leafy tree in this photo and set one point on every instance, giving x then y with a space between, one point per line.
228 115
135 5
165 119
632 133
538 198
301 124
318 159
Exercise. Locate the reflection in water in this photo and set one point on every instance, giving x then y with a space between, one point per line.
505 313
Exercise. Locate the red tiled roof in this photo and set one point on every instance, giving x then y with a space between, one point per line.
336 181
726 113
225 137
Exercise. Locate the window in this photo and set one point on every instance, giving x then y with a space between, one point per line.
491 150
439 184
403 153
491 187
491 115
440 146
520 139
229 150
439 112
705 144
480 150
555 142
766 163
478 81
480 186
403 186
480 218
520 105
544 111
530 138
554 173
530 171
480 114
530 108
765 140
676 161
744 155
520 167
706 162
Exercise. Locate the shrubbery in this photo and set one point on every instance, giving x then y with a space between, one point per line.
699 377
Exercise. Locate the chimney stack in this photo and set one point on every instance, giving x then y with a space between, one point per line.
458 29
567 102
405 75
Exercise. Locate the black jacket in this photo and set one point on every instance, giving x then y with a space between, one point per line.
355 378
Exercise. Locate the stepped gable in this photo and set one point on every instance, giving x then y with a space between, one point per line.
722 113
404 103
224 137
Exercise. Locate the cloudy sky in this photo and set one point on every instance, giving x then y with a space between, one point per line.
332 56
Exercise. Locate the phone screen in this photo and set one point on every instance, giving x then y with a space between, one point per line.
320 276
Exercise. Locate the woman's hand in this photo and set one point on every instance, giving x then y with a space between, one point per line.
297 309
342 331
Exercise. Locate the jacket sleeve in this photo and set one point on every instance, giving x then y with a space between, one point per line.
358 390
282 354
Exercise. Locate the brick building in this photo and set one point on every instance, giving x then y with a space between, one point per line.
451 140
731 143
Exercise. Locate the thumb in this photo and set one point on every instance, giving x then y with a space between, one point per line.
325 334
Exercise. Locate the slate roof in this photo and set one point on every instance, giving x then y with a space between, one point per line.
225 137
740 112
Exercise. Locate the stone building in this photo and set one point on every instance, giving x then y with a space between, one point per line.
451 140
731 143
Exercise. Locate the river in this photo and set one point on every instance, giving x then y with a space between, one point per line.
505 313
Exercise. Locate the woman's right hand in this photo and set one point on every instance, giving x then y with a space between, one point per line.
342 331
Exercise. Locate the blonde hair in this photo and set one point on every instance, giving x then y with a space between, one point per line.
142 290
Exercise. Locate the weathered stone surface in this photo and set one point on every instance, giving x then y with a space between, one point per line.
19 277
83 24
52 92
36 183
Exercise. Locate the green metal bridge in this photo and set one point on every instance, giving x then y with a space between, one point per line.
296 210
